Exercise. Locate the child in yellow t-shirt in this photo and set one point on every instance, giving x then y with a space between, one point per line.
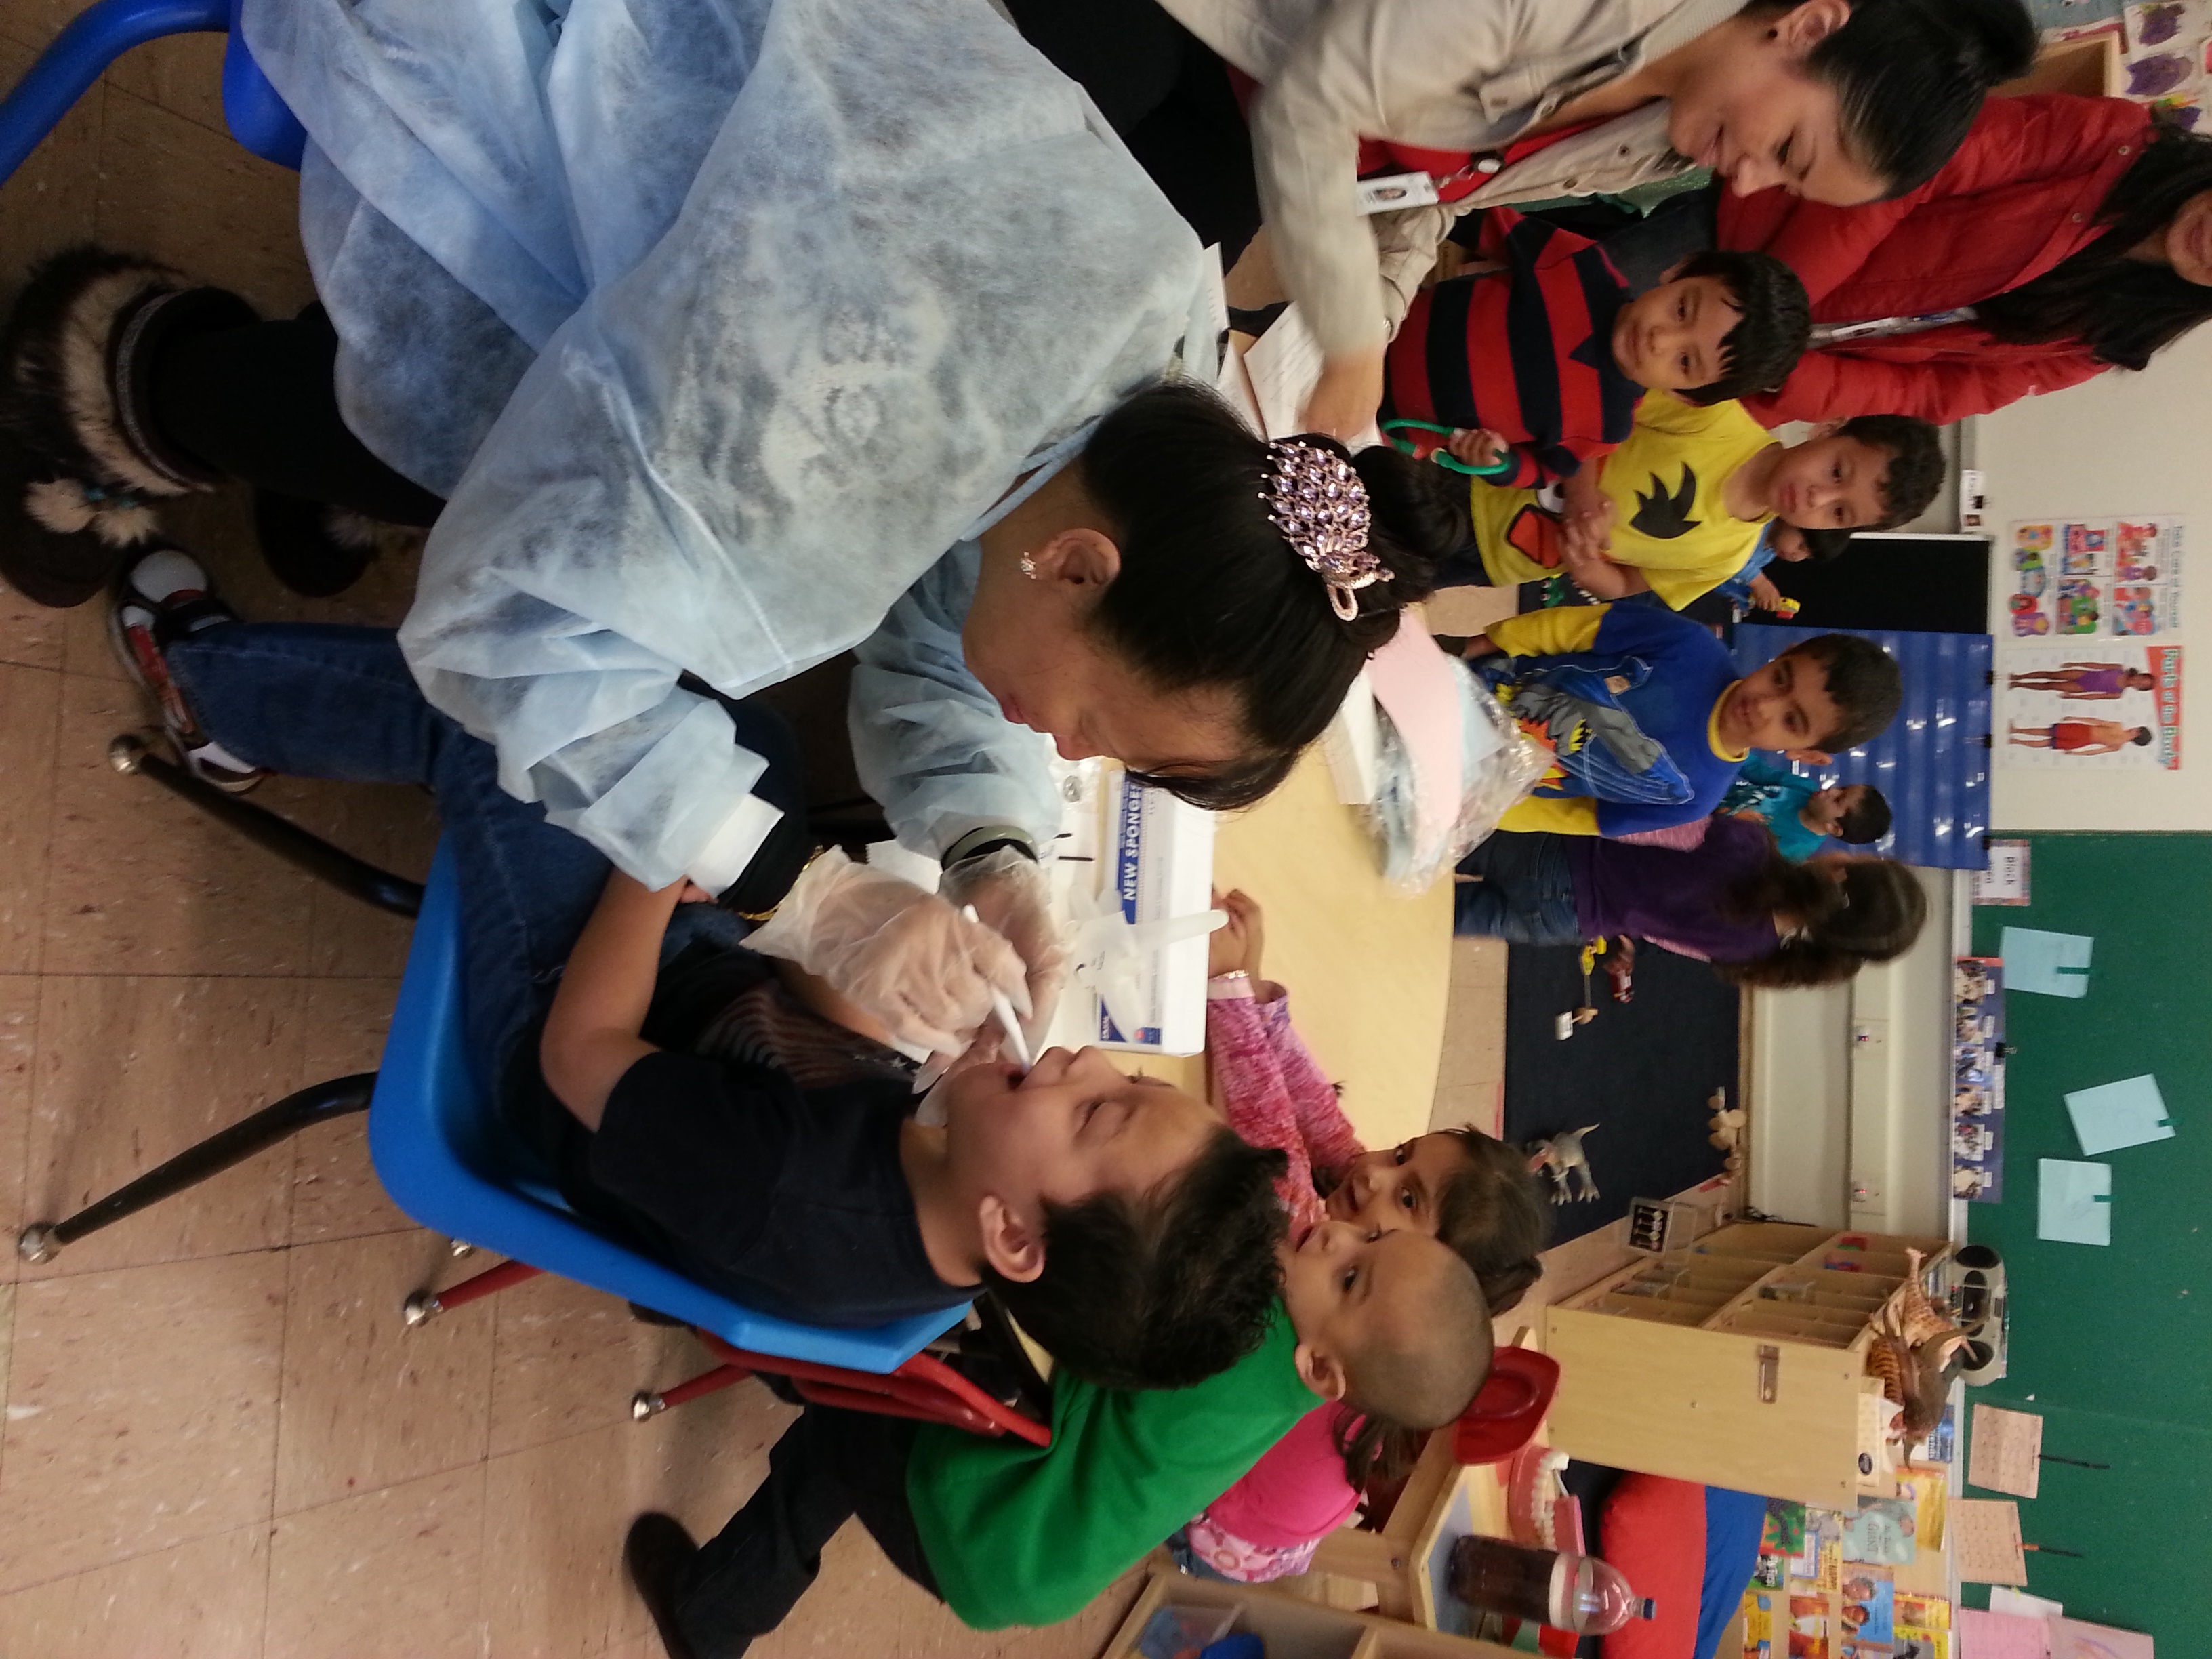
1678 507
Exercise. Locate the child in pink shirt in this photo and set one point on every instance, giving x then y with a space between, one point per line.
1459 1185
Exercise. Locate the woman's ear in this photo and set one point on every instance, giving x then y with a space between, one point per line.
1009 1246
1319 1371
1803 27
1077 557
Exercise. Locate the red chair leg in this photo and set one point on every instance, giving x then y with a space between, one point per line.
646 1403
424 1304
922 1387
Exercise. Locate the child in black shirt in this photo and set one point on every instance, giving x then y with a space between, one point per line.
778 1160
741 1136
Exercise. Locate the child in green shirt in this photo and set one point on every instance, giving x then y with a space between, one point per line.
1007 1533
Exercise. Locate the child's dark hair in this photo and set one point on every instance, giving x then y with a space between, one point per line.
1875 913
1393 1396
1163 1291
2121 309
1910 76
1869 818
1822 544
2139 737
1211 594
1863 682
1915 471
1492 1211
1770 334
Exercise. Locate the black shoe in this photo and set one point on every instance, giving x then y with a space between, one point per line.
313 549
86 465
62 540
655 1555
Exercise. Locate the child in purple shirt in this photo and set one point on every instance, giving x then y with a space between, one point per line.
1732 900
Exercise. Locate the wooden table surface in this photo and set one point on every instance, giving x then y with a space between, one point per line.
1368 967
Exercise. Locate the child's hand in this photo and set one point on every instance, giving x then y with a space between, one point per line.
1235 946
1765 595
1344 398
1475 446
1585 537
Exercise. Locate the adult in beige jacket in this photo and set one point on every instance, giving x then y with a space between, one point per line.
1842 102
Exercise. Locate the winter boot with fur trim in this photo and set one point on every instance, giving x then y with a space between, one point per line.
81 466
314 550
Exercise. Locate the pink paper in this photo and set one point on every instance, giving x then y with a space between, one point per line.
1985 1635
2072 1639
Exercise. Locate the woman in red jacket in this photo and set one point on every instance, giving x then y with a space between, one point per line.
2067 234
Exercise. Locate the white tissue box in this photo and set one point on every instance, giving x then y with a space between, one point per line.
1150 855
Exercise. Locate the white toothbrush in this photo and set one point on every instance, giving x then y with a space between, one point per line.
1016 1043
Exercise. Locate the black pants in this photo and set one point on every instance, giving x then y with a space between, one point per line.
261 403
828 1466
1167 97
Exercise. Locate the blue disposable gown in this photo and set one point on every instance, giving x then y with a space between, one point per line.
721 322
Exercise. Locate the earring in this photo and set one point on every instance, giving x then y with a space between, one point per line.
1029 567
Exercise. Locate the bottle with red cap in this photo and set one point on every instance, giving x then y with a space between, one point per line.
1570 1592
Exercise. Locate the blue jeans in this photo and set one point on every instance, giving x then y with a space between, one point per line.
1526 895
320 701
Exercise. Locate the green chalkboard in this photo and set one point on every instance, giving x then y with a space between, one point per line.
2113 1346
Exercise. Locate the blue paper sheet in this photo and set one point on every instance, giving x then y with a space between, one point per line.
2074 1201
2056 964
2115 1115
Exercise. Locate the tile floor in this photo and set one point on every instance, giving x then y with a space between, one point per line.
219 1439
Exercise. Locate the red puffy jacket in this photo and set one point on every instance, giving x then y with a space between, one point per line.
2021 194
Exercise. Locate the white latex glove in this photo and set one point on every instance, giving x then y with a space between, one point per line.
1013 898
908 957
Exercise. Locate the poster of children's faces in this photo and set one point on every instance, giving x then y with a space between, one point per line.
1978 1077
2094 703
2096 578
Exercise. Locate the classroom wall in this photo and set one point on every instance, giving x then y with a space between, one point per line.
2113 1345
2119 444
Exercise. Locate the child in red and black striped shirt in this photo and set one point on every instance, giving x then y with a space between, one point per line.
1547 352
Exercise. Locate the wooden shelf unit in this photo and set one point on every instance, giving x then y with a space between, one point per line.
1738 1361
1294 1628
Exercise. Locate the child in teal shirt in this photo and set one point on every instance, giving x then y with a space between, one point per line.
1800 814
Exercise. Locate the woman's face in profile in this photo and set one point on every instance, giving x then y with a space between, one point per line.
2187 243
1759 118
1030 645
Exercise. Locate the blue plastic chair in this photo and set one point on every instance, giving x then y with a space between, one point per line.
100 33
445 1157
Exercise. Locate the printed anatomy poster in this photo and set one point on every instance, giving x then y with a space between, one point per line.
2093 578
2094 704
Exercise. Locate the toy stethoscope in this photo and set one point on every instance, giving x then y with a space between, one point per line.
1441 456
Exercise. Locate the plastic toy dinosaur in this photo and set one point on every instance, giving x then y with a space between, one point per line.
1562 1158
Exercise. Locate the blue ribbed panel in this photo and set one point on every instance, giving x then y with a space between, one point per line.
1933 763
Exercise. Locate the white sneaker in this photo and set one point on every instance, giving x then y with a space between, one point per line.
160 598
